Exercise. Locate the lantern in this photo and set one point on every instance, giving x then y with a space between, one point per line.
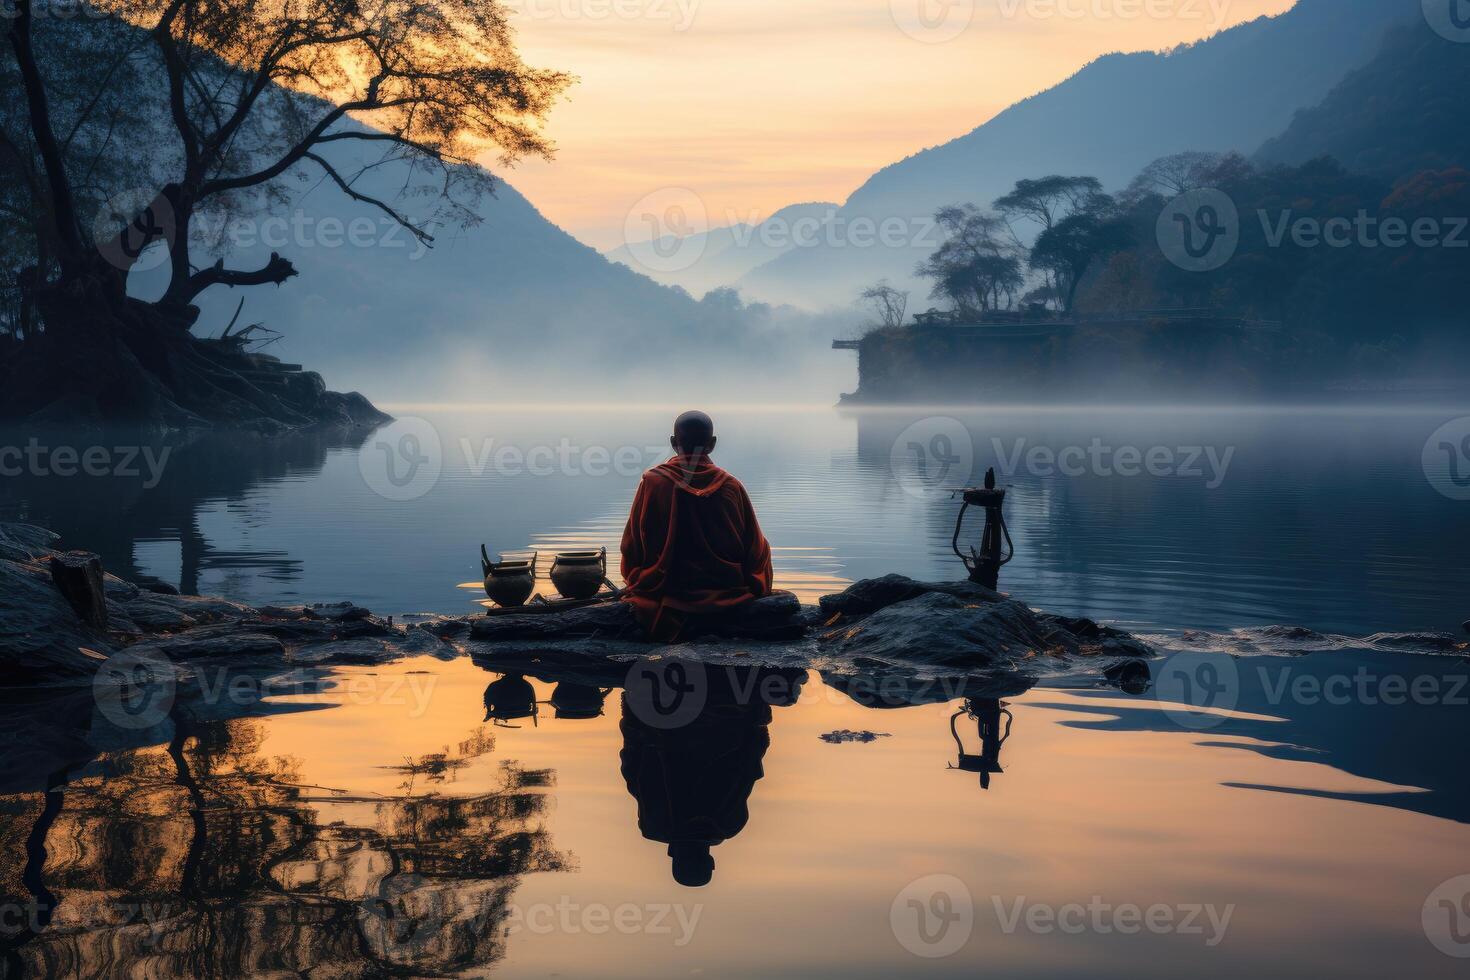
988 714
984 565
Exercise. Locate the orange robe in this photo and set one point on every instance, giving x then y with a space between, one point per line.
692 547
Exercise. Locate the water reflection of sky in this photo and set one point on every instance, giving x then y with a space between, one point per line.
1319 828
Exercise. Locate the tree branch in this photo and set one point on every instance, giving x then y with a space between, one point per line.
419 233
68 231
275 271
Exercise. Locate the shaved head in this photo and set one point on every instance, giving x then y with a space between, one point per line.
694 432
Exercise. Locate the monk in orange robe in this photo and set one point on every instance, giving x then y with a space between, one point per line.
693 550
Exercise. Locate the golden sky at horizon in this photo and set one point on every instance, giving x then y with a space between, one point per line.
756 104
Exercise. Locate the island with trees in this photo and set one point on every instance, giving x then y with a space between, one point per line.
1342 275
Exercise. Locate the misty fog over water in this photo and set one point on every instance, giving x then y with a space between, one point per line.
1155 519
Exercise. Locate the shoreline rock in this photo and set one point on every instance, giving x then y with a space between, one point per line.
63 618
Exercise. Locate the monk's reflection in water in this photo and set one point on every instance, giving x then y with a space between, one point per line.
692 773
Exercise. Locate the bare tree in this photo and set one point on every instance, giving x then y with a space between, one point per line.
891 305
257 93
976 267
257 90
1047 200
1181 173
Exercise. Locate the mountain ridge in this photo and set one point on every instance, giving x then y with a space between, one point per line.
1121 111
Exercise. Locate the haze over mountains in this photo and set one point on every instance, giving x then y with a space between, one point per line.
721 256
1403 112
516 308
512 308
1233 91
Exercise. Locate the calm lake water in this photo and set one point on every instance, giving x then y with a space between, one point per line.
372 822
1226 519
374 825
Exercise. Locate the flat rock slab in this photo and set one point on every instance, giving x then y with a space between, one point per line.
26 542
885 627
337 612
779 617
610 620
935 629
902 622
210 643
154 612
871 594
372 651
41 636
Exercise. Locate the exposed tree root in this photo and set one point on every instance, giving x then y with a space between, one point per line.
107 360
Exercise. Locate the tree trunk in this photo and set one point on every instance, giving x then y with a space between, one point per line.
78 576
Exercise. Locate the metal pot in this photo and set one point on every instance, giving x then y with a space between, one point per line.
578 701
510 698
579 574
509 582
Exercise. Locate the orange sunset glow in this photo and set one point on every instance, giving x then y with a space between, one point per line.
800 100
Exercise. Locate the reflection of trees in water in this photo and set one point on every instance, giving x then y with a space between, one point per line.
109 514
207 858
